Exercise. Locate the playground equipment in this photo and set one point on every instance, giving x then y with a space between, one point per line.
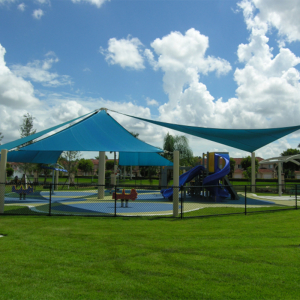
21 191
123 196
207 179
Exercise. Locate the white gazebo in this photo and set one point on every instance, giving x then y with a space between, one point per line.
279 161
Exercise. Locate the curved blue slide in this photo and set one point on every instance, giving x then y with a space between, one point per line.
212 180
183 179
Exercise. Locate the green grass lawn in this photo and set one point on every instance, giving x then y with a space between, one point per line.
232 257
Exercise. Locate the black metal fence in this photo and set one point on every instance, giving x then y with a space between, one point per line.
146 201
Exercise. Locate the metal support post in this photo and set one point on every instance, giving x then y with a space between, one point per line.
279 179
50 200
175 183
253 172
101 175
245 200
2 178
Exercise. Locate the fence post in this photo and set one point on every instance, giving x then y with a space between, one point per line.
296 192
181 200
50 192
245 200
115 200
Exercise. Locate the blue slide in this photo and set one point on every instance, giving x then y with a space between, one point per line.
183 179
212 180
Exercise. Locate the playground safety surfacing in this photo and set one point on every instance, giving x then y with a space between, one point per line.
86 203
148 203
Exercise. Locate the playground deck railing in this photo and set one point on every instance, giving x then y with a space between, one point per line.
90 199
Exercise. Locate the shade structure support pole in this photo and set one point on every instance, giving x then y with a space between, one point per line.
101 175
2 178
175 183
279 179
253 172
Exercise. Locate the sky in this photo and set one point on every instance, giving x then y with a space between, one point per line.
206 63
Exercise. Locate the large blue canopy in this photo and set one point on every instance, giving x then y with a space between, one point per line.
38 157
142 159
244 139
22 141
99 132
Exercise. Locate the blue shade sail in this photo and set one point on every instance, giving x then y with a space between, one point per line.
244 139
100 132
19 142
38 157
142 159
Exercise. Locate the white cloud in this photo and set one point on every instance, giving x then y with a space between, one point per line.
6 1
125 52
43 1
21 6
38 71
98 3
14 90
182 58
179 52
69 110
37 14
151 102
283 15
268 92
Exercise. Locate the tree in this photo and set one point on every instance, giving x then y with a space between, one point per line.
109 165
135 134
85 165
180 143
232 166
246 165
45 171
69 160
9 170
26 129
289 168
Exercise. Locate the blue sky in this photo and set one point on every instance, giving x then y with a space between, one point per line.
217 63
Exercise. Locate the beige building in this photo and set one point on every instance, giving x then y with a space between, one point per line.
265 171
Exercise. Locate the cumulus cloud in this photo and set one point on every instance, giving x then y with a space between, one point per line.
282 15
98 3
6 1
21 6
14 90
38 71
151 102
268 86
183 59
268 92
37 14
69 110
124 52
43 1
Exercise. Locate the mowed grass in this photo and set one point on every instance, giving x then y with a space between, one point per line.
230 257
